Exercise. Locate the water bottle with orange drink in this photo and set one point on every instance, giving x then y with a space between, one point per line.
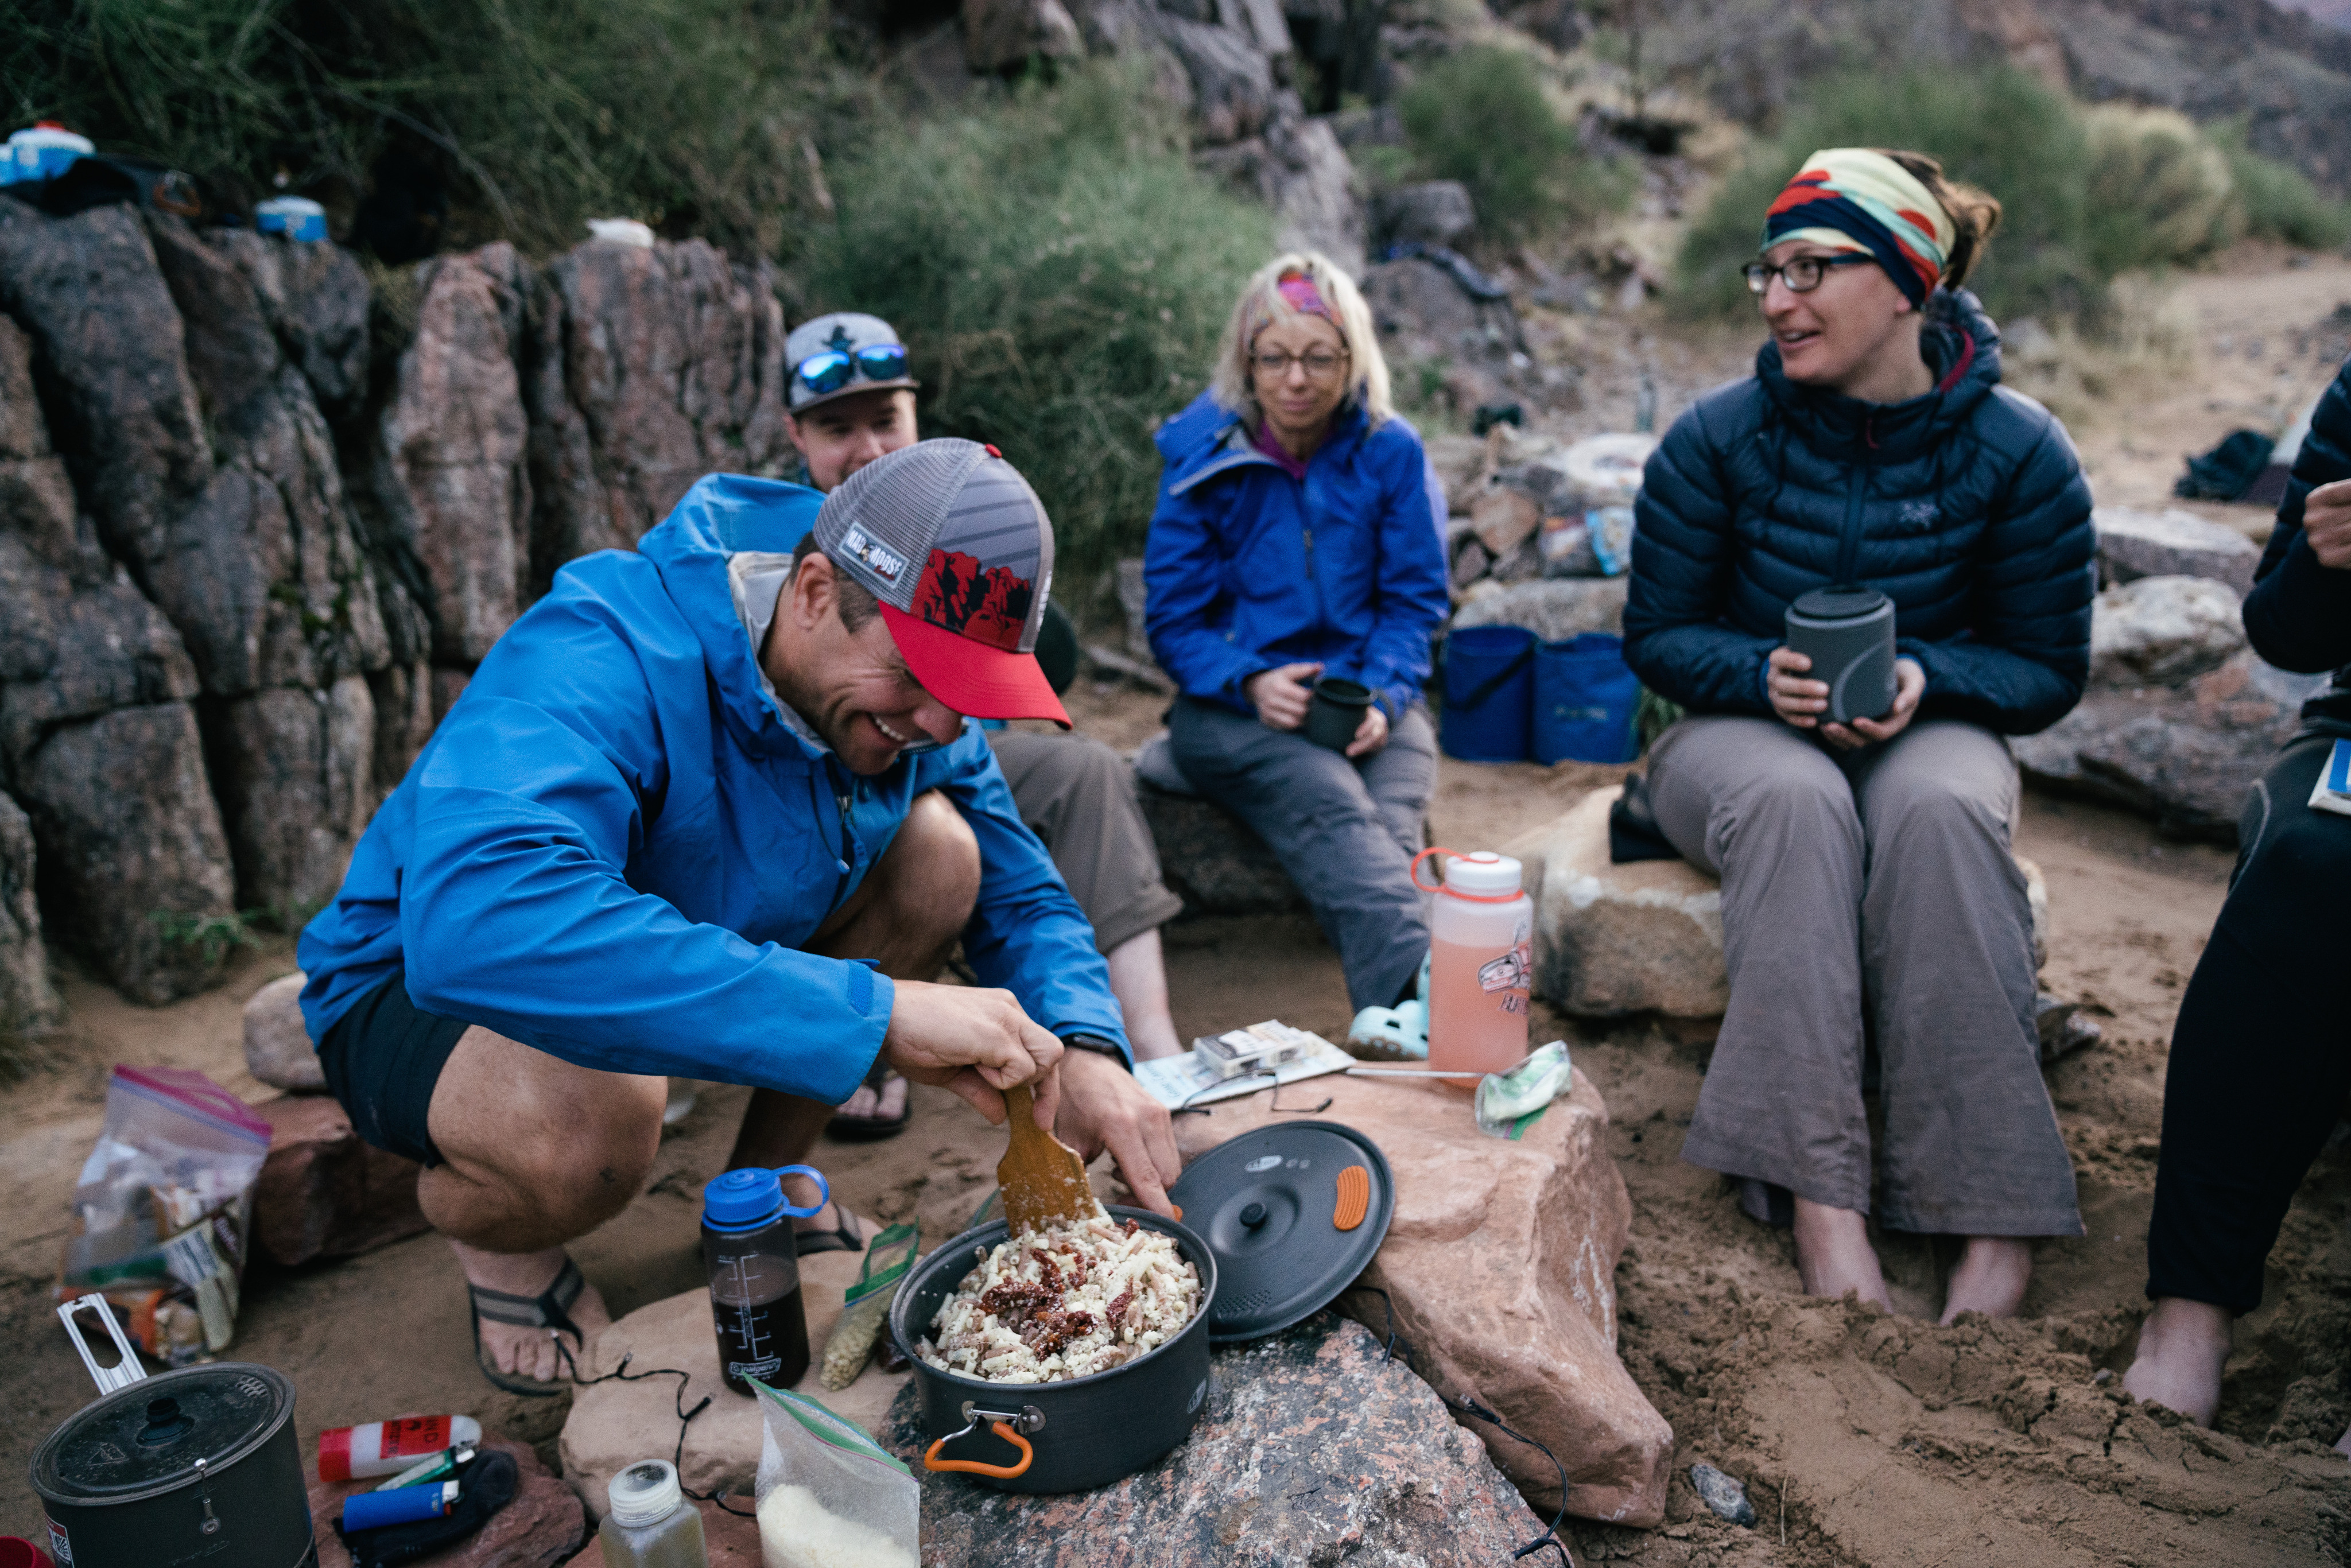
1481 951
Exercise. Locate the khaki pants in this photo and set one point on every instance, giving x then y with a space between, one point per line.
1874 885
1077 795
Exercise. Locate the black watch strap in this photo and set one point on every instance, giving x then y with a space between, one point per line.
1097 1044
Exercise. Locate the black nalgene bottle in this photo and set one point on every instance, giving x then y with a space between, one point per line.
755 1275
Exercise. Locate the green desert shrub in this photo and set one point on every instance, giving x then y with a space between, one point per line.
2280 203
689 114
1060 272
1479 116
2158 192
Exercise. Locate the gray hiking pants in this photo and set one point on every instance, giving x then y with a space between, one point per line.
1344 830
1873 885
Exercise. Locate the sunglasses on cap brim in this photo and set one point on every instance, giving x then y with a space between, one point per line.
833 370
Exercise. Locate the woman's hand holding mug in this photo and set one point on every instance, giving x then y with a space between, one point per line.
1801 701
1280 695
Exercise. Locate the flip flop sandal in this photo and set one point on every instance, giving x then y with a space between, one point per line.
549 1311
843 1239
870 1129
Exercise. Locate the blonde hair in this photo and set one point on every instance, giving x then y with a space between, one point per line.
1261 305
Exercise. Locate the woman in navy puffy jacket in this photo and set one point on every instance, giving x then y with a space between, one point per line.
1300 534
1869 895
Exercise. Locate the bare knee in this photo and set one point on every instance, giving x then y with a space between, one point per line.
930 873
546 1158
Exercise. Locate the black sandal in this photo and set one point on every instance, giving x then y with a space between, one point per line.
549 1310
872 1129
842 1238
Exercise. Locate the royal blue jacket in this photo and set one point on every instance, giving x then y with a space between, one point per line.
614 845
1247 567
1966 506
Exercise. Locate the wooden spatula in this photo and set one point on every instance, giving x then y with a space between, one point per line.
1043 1179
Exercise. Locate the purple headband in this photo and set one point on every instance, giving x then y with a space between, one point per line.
1300 290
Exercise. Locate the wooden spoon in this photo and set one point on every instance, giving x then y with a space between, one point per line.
1043 1179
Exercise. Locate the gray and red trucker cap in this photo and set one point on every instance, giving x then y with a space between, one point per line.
957 549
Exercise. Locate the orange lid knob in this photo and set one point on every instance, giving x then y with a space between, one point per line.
1354 1197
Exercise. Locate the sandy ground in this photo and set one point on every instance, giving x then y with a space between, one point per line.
1863 1439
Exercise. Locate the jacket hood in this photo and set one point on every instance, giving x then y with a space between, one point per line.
728 527
1961 346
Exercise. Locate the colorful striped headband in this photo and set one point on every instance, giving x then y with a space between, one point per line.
1854 199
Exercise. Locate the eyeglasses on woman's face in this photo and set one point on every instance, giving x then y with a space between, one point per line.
1322 364
1802 274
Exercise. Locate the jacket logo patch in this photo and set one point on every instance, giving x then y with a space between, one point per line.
987 605
1917 514
878 559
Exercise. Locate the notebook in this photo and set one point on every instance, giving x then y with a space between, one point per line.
2332 791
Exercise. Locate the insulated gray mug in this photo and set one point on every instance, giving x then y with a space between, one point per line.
1847 631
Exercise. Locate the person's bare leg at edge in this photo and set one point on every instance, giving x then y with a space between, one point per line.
1138 979
537 1151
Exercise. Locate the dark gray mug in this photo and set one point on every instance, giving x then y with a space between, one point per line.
1335 712
1847 631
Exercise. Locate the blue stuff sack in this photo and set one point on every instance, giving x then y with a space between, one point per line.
1584 697
1488 691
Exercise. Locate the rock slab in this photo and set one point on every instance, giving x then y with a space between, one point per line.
323 1193
1211 860
277 1047
2171 543
1646 936
2163 632
544 1524
1313 1448
613 1425
28 1002
1501 1264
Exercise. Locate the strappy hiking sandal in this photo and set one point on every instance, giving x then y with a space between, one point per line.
870 1129
549 1311
842 1238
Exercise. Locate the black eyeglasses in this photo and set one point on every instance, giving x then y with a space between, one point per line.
1320 364
831 371
1802 274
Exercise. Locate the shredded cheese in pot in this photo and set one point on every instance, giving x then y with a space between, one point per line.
1047 1306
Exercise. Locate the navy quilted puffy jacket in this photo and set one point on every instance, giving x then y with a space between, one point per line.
1966 506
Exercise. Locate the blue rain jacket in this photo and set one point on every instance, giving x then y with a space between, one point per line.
614 843
1247 568
1966 506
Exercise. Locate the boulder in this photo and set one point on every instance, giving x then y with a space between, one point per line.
1460 464
2163 630
1419 298
544 1524
277 1049
322 1192
450 483
2185 757
1268 1476
402 697
616 1423
1434 212
1006 35
2133 544
1233 93
1501 1263
654 367
1646 936
316 298
133 843
1552 610
1212 860
1504 517
1263 23
1299 169
28 1002
297 775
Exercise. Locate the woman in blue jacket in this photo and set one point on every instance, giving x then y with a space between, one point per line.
1869 892
1297 537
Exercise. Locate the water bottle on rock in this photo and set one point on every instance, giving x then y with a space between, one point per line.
755 1275
1482 957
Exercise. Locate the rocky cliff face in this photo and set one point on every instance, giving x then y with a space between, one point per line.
242 572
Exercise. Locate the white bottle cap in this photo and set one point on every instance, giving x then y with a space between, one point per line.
646 1493
1482 875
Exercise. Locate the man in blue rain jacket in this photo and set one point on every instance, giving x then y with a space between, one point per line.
713 809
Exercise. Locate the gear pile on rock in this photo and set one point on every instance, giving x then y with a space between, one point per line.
1050 1305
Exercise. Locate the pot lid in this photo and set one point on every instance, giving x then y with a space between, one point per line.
1293 1213
149 1436
1844 601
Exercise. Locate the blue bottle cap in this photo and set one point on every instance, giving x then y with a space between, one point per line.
746 1198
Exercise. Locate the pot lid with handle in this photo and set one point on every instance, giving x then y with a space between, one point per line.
149 1438
1293 1213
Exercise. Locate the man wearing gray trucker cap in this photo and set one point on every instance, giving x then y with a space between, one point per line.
713 808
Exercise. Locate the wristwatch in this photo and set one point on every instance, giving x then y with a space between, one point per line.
1098 1045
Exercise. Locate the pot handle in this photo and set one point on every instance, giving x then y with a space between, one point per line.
128 1370
1006 1423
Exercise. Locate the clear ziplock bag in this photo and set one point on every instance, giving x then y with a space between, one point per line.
829 1497
865 1305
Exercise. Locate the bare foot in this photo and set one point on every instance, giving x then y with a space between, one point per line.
887 1104
2182 1347
1833 1254
530 1351
1990 1278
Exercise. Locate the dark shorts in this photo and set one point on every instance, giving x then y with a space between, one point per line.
381 1058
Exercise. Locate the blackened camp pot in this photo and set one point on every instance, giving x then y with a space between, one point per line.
193 1465
1085 1433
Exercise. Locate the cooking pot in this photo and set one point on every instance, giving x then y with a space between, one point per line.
1054 1437
193 1465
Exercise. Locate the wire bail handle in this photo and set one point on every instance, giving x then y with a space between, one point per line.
1007 1425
